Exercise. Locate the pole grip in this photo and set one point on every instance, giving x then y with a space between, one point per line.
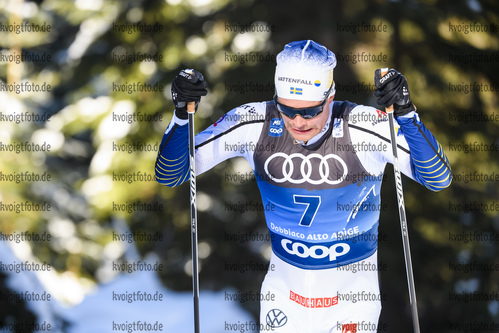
191 107
388 109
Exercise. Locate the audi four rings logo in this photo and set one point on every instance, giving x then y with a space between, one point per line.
306 168
276 318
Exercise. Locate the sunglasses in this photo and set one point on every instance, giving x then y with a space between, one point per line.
306 113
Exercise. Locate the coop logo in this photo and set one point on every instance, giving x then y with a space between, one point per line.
316 251
276 127
276 318
349 328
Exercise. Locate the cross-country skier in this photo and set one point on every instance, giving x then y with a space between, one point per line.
320 163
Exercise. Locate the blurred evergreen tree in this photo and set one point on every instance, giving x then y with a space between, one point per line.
420 40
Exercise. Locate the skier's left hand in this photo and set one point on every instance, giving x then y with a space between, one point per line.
392 89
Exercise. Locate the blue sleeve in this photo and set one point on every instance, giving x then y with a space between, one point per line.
172 162
429 164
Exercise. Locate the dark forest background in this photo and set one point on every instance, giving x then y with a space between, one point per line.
433 43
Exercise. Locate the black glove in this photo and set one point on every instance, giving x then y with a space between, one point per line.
392 88
188 86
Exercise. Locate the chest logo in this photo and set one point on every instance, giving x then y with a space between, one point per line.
314 169
276 129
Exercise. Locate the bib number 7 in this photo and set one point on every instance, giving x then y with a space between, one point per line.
312 202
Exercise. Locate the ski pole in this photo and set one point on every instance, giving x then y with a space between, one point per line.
403 219
191 109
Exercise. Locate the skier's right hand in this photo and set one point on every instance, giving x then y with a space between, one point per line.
188 86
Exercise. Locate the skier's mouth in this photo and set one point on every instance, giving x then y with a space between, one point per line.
301 131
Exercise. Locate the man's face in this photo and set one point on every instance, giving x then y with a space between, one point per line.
305 129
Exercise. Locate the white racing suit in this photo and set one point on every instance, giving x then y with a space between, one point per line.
325 203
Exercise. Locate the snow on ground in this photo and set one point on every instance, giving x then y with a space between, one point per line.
106 310
100 313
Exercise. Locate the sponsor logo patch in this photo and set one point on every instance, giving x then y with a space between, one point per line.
294 80
276 318
316 251
338 128
276 127
313 302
